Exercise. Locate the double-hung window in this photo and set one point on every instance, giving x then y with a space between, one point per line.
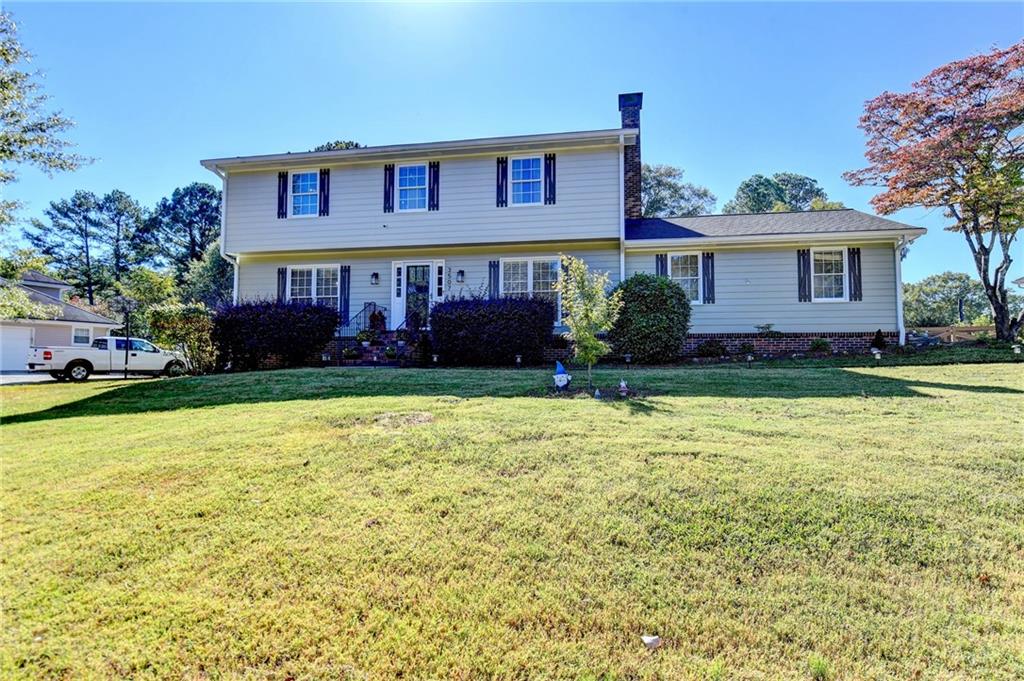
828 275
684 269
81 336
412 187
316 284
527 185
303 192
535 277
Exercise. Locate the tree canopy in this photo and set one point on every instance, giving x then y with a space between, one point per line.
182 226
780 192
664 194
954 142
31 134
337 145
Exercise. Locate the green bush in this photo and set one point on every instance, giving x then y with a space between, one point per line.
653 321
187 327
712 348
820 345
747 348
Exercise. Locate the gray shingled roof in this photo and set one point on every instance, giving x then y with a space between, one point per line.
34 277
68 312
761 224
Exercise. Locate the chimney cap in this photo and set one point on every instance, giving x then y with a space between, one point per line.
631 100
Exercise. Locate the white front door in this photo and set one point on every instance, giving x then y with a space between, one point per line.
14 344
415 286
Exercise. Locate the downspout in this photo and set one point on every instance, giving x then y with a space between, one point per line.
901 243
223 225
622 208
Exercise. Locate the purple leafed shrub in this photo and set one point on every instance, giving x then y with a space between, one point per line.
485 332
250 333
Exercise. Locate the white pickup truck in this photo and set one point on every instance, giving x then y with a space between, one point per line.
105 355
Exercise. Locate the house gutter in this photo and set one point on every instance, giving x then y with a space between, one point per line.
746 240
622 208
223 228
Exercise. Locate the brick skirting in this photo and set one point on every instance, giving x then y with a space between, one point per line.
786 343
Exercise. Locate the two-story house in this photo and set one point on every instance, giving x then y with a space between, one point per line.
403 226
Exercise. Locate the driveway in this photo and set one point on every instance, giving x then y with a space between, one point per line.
23 377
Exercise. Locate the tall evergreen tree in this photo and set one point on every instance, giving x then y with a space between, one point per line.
120 223
73 242
182 226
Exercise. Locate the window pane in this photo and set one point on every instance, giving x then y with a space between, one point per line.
81 336
412 199
305 200
829 280
302 285
327 285
526 180
514 280
685 271
412 176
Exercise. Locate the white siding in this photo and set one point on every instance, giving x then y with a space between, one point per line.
587 208
257 276
759 286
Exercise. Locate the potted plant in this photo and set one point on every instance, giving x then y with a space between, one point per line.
351 353
377 321
366 337
390 352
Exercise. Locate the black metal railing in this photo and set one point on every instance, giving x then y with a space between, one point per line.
360 320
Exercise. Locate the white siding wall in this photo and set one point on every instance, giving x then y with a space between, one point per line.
587 208
755 287
257 276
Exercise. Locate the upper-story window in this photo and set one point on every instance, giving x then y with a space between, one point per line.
304 190
828 275
412 187
527 185
684 269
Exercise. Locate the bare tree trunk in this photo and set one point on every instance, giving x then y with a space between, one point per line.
1007 325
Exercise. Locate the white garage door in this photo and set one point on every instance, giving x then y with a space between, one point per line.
14 343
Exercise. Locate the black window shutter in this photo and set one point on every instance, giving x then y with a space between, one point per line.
501 186
661 264
549 179
389 188
856 289
325 192
345 285
282 195
433 186
708 277
282 283
803 275
493 280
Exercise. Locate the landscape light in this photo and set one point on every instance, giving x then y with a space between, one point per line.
519 361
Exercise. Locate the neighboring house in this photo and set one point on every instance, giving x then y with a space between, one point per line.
401 227
71 326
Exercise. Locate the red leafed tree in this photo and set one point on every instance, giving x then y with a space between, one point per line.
956 142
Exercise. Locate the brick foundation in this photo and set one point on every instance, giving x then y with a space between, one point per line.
787 343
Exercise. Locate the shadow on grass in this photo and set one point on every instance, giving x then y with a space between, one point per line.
313 384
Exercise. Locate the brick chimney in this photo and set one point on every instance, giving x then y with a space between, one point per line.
630 105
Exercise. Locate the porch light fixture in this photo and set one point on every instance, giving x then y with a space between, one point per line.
375 279
460 277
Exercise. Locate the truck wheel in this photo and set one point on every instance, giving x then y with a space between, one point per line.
77 371
174 368
59 375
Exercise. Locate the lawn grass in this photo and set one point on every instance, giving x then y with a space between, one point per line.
767 523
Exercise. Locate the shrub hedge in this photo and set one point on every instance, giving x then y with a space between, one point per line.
248 334
485 332
653 320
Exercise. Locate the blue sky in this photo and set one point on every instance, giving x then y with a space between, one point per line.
729 89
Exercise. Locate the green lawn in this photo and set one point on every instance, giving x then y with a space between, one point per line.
767 523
